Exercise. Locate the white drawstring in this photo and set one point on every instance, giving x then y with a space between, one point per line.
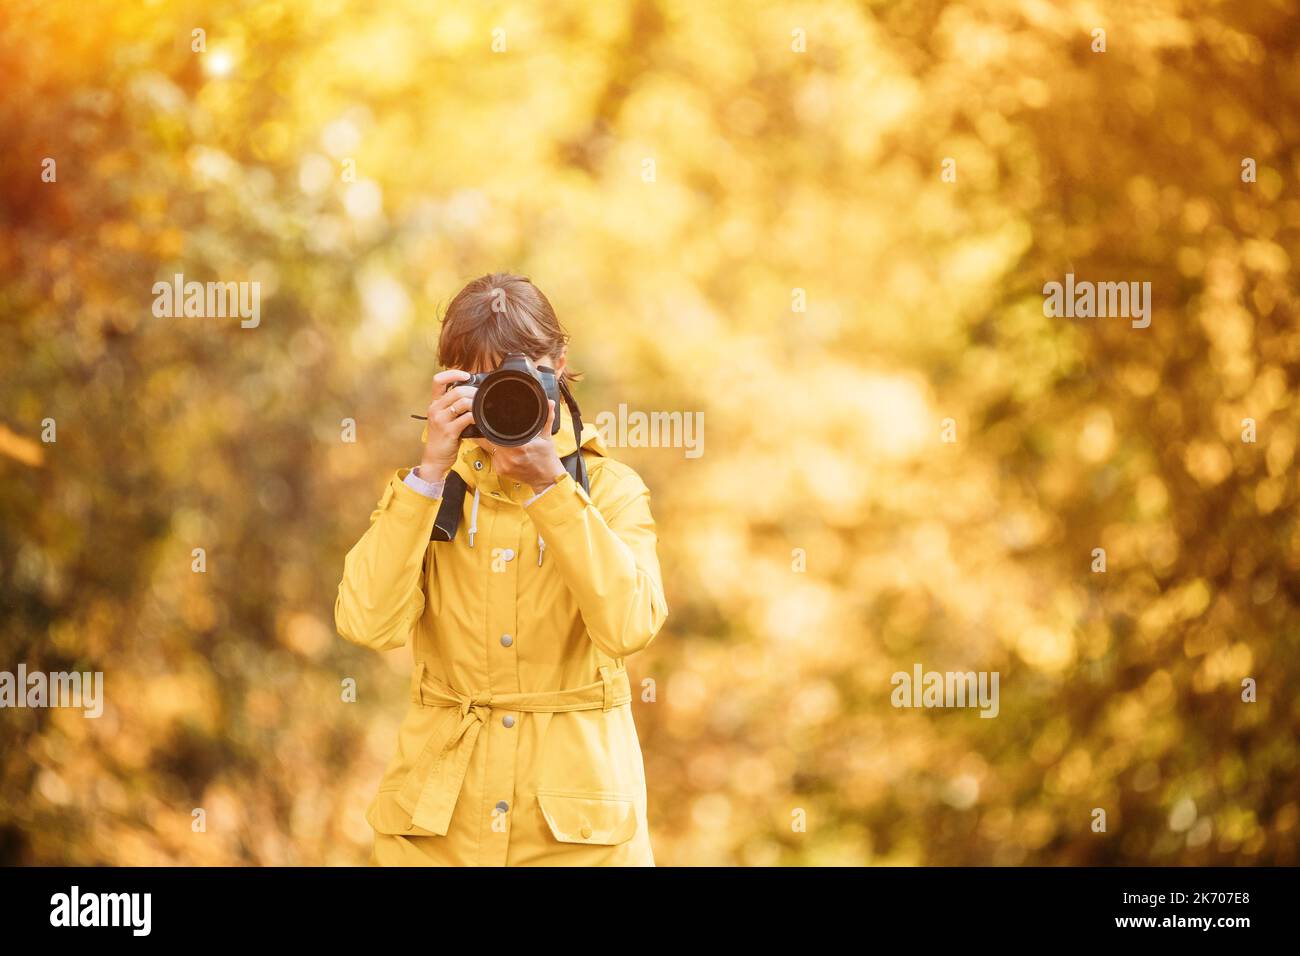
473 529
473 518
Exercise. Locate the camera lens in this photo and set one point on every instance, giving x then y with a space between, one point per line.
511 411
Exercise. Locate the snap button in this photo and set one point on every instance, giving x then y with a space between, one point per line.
478 464
506 640
508 720
496 494
585 831
502 806
508 554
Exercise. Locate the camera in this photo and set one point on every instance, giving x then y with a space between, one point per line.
510 406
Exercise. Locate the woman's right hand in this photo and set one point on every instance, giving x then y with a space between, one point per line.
449 413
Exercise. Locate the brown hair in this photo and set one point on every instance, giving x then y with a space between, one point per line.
496 314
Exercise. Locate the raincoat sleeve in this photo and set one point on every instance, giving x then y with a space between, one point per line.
381 595
607 557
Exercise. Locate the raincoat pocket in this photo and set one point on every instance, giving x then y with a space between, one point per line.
576 817
594 752
423 733
385 815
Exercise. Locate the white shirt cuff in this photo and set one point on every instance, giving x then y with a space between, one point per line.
430 489
539 494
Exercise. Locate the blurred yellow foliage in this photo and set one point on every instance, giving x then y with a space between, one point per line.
827 227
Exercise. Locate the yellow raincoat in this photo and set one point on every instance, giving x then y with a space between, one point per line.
518 747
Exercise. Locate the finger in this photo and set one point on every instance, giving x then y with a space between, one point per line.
449 375
550 418
458 406
444 380
452 397
461 422
459 391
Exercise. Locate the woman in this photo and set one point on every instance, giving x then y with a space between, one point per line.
518 747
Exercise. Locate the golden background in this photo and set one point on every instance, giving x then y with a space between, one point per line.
774 171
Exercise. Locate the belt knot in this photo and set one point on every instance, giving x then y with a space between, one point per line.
480 704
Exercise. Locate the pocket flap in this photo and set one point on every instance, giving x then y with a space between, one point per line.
588 817
387 816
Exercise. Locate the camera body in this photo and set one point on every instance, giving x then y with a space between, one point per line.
510 406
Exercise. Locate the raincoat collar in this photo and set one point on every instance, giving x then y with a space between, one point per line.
475 465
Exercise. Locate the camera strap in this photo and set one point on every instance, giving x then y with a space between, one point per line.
454 487
575 464
453 500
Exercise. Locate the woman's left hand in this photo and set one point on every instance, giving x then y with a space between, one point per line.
536 464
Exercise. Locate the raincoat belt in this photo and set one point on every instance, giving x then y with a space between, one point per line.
430 790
